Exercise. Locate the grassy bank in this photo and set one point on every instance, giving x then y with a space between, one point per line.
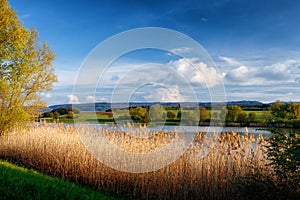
20 183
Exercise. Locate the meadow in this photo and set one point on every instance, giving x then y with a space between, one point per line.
58 151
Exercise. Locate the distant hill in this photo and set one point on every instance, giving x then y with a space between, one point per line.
103 106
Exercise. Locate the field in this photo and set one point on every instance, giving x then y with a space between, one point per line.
107 117
21 183
57 150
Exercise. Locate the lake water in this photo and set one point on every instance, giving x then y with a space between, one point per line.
192 129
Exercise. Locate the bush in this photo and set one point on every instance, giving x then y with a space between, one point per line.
171 115
284 154
70 115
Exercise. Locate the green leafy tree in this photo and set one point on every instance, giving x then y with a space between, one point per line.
70 115
252 117
56 115
61 110
242 117
26 70
157 113
48 114
284 155
179 115
233 113
139 114
294 111
203 114
171 115
279 110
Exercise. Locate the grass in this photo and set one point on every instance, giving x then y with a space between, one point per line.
21 183
259 113
57 150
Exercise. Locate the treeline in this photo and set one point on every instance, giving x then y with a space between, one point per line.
278 114
68 112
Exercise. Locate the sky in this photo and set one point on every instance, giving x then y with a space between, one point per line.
251 49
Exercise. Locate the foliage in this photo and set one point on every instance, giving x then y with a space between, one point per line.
157 113
48 115
171 115
252 117
140 114
235 114
61 110
203 114
56 115
285 111
70 115
284 154
256 186
190 117
26 70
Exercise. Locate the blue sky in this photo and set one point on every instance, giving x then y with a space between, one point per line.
255 45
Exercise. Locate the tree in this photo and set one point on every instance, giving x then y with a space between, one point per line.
171 115
61 110
233 113
252 117
157 113
26 70
279 110
242 117
56 115
70 115
139 114
294 109
203 114
48 114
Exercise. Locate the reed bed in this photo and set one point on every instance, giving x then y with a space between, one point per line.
58 150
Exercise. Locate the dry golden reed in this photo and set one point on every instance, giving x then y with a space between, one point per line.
57 150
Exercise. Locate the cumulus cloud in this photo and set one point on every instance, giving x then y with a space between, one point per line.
278 72
241 74
90 99
197 72
73 99
163 94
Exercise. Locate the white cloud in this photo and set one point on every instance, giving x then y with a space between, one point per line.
163 94
241 74
230 61
197 72
288 71
46 95
103 99
181 50
73 99
90 99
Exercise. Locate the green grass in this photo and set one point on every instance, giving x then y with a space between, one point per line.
21 183
259 114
